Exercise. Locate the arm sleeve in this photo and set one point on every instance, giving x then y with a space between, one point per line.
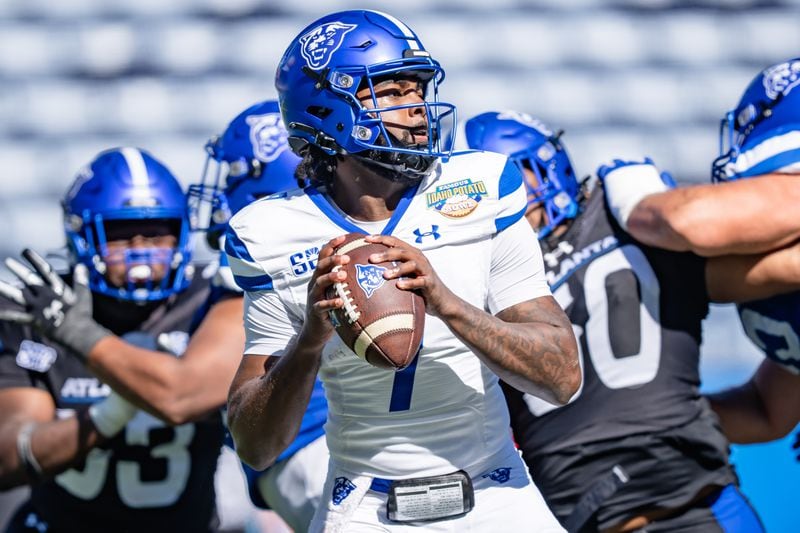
517 270
268 325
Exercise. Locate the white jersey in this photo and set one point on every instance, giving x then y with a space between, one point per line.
446 411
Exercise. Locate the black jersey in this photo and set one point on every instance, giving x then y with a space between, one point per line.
636 312
151 477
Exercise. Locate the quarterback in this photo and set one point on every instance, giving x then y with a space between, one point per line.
430 444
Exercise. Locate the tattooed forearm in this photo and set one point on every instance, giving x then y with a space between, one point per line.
530 346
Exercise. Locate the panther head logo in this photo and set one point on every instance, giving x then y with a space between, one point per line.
318 45
370 278
342 488
267 135
781 79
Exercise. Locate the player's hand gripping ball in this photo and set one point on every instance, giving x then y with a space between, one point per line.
379 322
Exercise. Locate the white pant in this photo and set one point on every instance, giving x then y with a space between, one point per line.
514 505
293 488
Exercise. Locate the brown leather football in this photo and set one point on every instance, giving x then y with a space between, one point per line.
379 322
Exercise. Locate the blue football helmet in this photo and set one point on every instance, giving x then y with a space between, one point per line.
773 325
120 187
531 145
762 134
337 56
249 160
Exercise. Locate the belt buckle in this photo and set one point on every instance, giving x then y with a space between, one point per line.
430 498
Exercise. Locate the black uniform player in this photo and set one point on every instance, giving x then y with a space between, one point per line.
95 462
637 445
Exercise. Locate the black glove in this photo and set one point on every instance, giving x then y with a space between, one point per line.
796 445
60 313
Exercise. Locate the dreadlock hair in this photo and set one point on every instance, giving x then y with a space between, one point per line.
317 168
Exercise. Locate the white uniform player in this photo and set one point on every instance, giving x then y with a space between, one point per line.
446 412
429 444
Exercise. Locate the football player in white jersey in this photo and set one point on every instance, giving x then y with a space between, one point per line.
429 445
751 209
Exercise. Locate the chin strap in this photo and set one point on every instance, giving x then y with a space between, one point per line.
397 167
400 167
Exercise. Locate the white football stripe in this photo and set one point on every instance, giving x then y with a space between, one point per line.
350 246
379 327
245 268
405 30
138 169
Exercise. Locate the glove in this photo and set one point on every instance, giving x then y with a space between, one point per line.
627 182
60 313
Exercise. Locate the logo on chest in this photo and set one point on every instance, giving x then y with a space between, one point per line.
79 390
456 200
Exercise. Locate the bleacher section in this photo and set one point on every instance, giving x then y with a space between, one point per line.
622 77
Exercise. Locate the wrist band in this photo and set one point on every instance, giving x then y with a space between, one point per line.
109 416
25 452
626 186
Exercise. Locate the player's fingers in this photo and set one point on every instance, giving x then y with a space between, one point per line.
330 247
323 306
394 254
408 268
327 264
411 284
17 317
26 275
81 275
388 240
45 271
12 293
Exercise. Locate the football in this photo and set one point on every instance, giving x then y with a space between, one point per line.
382 324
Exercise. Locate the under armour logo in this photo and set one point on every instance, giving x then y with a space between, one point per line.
54 312
551 258
434 232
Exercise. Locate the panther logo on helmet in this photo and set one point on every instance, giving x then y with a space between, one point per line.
267 135
318 45
781 79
